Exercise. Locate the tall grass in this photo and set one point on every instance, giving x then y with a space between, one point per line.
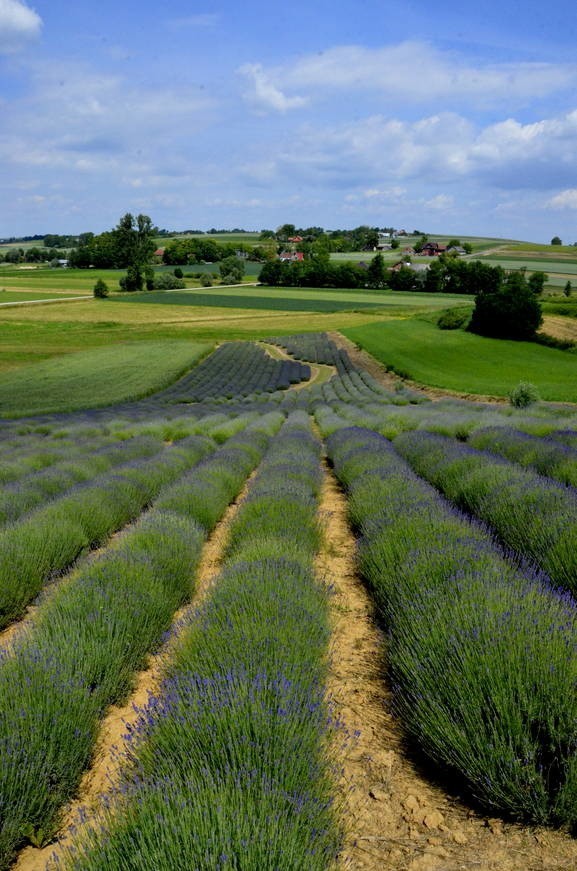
229 762
481 655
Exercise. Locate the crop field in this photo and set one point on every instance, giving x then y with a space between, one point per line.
460 361
265 605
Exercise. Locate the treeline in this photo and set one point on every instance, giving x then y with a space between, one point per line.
445 274
323 273
187 251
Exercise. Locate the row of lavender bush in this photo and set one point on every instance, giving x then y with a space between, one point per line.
47 540
531 514
229 764
482 657
35 489
548 455
92 635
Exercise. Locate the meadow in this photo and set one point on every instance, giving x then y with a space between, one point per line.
166 566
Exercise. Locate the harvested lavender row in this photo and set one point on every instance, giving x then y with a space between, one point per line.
49 539
529 513
22 496
482 657
229 763
547 455
90 639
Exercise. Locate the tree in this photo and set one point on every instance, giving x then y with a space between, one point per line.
133 280
376 272
509 310
101 289
134 238
556 241
567 290
536 282
231 270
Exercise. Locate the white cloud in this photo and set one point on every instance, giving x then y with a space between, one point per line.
417 72
264 94
18 24
566 199
440 203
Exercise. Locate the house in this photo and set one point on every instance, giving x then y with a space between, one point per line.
414 267
432 249
291 257
295 239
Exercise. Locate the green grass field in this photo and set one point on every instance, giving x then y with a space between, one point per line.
460 361
93 378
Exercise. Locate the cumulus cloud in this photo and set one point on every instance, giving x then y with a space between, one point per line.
18 24
566 199
264 94
419 73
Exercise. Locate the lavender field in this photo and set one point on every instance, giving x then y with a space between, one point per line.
160 565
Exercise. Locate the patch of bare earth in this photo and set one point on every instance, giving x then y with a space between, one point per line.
395 818
560 328
104 776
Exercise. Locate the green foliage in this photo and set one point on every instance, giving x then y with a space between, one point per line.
177 272
167 281
101 289
556 241
454 319
567 290
231 270
523 395
507 310
133 281
205 280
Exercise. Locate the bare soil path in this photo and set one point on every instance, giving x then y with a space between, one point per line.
396 818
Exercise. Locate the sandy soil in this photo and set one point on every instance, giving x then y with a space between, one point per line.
109 756
319 371
396 817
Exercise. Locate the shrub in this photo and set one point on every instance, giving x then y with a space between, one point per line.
178 272
523 395
167 281
206 280
454 319
101 289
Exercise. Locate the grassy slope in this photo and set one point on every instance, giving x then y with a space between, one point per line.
98 377
461 361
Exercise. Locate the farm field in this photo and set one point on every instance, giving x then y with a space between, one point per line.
345 629
460 361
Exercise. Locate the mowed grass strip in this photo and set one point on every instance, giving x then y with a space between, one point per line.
96 378
461 361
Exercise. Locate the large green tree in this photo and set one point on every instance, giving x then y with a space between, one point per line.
509 309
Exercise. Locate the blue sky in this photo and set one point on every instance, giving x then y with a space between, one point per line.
446 117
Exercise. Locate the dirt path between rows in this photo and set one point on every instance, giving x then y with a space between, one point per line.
320 372
395 818
110 757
